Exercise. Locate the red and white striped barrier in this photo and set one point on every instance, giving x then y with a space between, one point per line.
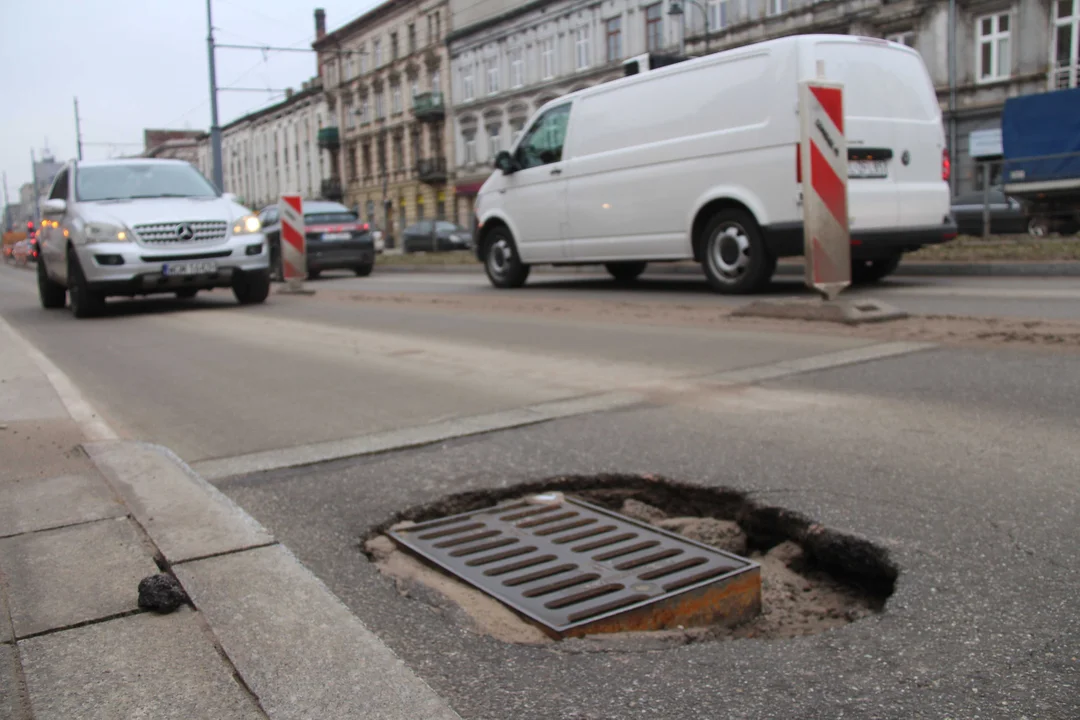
824 160
293 240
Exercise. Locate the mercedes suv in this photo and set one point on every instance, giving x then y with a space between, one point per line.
145 226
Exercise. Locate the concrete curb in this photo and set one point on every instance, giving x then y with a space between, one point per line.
298 648
913 269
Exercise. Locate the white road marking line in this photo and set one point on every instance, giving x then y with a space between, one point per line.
442 431
93 426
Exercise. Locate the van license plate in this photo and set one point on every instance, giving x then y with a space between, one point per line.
189 268
867 168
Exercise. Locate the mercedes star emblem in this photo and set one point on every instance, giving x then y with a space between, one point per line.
185 232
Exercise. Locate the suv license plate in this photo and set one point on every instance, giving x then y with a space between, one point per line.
189 268
868 169
337 236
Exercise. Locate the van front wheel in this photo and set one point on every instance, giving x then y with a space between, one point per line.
734 256
501 261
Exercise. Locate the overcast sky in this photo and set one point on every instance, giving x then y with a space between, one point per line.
138 64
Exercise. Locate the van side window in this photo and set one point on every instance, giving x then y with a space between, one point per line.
60 187
543 144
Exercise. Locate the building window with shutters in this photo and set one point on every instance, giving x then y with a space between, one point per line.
613 30
993 60
654 27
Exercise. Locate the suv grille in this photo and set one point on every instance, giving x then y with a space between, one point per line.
208 231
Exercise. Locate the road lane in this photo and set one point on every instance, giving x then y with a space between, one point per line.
210 379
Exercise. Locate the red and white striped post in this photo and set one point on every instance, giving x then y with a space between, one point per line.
293 243
824 160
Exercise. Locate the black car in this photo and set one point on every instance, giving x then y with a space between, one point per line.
1007 215
335 237
435 236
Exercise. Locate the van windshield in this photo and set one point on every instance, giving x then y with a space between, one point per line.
880 81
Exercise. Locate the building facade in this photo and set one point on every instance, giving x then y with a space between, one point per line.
507 59
1002 49
385 76
275 150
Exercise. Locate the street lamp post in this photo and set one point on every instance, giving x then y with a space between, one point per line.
676 10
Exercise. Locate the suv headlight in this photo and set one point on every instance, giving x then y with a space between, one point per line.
246 225
98 232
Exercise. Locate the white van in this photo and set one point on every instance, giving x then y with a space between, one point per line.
699 160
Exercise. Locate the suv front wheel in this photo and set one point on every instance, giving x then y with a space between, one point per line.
85 301
53 294
252 288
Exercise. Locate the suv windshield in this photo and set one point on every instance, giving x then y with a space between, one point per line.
141 180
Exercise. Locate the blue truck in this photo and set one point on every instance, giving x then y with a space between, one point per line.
1040 137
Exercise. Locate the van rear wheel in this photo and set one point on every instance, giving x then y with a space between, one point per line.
733 254
501 260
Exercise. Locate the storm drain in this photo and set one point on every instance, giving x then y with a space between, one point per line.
576 568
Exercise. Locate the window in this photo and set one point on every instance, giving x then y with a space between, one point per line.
543 143
393 46
654 27
470 149
582 46
395 98
719 14
547 58
366 154
467 90
399 153
412 38
348 67
903 38
364 111
380 151
778 7
60 187
993 60
517 68
436 82
415 89
613 29
516 126
380 108
377 45
1066 45
363 60
370 210
494 140
492 76
350 117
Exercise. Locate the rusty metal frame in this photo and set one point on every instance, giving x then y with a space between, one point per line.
575 568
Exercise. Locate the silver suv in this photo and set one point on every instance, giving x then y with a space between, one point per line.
136 227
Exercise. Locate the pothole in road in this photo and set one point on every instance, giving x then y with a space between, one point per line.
812 578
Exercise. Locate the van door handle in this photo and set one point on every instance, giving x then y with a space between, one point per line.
557 171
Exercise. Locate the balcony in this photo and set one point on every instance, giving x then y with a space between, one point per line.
432 171
331 189
429 106
1065 76
328 138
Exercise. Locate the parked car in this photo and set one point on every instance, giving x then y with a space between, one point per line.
693 161
142 226
435 236
1007 215
334 235
20 253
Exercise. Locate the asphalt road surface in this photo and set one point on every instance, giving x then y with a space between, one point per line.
960 460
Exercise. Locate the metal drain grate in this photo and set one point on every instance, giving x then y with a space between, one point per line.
576 568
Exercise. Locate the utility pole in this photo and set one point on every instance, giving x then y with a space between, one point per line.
78 133
952 97
215 129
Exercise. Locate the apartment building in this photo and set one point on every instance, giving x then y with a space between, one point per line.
385 80
507 59
1001 49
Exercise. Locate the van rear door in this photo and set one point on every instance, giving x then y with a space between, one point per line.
894 132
